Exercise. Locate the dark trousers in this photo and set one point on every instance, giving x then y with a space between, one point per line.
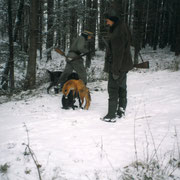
76 65
117 90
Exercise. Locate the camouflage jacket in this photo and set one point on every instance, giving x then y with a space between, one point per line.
78 46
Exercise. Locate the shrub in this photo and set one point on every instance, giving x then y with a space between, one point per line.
4 168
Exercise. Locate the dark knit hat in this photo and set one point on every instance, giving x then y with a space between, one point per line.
113 18
112 15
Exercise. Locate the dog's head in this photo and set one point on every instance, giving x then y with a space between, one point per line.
54 75
68 86
68 102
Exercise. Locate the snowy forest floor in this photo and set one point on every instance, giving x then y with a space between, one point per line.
77 145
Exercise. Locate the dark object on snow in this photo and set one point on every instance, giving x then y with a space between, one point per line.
54 77
68 102
143 65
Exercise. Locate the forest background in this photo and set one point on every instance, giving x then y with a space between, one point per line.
31 29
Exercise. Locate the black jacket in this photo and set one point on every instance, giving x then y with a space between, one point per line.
119 45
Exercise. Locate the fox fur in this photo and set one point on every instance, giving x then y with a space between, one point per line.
78 87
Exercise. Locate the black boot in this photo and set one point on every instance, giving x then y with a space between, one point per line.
120 112
111 115
122 102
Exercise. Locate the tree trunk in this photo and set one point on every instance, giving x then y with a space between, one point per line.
156 27
138 28
27 29
177 43
59 25
11 48
18 19
73 21
31 69
130 13
93 20
50 30
88 26
9 69
40 34
164 30
64 25
102 30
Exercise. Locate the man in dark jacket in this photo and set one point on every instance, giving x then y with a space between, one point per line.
118 62
78 47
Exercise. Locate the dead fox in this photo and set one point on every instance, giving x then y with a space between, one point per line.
78 87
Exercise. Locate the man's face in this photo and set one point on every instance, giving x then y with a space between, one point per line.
109 22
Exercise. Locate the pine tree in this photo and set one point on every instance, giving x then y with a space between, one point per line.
138 28
177 42
8 74
50 30
18 19
31 68
102 30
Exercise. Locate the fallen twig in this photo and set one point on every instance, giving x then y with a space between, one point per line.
38 166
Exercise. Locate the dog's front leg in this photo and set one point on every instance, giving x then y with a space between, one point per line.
49 87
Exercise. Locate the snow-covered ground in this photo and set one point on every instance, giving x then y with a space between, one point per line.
77 145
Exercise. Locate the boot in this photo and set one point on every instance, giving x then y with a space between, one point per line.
122 103
121 107
120 112
111 115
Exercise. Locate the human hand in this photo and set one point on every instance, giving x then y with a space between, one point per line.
115 77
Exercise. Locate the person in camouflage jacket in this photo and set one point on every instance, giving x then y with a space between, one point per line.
78 47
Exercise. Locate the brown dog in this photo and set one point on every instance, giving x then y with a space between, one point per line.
78 87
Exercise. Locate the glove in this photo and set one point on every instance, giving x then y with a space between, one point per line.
115 77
